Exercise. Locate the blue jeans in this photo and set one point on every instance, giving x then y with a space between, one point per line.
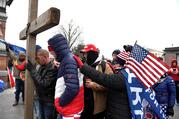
37 108
47 111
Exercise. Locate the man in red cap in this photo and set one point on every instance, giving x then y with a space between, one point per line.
91 111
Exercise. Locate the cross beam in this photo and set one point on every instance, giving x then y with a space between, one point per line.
45 21
35 26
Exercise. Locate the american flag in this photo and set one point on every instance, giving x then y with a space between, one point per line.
146 66
123 55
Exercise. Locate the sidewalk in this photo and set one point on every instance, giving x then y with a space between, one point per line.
7 111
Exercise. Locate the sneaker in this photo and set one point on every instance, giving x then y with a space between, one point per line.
15 103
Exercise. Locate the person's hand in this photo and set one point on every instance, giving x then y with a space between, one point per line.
79 62
175 71
170 111
22 75
57 64
89 83
15 62
29 65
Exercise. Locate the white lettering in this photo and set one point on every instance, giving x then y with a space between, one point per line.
139 112
130 75
136 91
156 103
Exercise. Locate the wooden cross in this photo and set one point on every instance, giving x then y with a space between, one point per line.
35 26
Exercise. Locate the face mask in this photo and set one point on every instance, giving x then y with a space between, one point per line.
91 57
21 59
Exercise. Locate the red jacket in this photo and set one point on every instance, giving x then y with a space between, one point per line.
174 71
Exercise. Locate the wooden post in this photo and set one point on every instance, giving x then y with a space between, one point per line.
35 25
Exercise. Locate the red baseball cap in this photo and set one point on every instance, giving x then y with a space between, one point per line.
89 47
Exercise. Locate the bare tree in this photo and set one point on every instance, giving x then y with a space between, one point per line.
71 33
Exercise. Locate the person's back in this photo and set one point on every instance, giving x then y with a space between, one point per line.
117 99
165 94
69 89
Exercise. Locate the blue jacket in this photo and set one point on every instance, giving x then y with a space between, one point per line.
67 72
165 92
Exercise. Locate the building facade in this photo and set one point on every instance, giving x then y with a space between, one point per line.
170 54
3 53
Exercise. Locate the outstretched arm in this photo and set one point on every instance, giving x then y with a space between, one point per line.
114 81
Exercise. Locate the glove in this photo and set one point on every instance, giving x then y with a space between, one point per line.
80 63
30 65
170 111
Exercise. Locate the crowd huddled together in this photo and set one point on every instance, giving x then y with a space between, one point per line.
71 87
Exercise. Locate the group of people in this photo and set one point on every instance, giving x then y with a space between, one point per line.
69 87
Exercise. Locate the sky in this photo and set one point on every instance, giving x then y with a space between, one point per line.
109 24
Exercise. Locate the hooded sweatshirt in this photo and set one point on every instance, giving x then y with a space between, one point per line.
69 85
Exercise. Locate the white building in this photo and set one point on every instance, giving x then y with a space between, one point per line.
156 52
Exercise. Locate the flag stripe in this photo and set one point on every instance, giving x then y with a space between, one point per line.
157 73
157 76
141 75
140 71
147 67
161 64
138 75
155 66
11 79
146 71
123 55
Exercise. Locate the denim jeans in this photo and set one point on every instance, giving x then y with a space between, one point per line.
37 108
47 111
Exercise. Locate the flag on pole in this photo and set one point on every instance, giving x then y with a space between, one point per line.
146 66
11 79
123 55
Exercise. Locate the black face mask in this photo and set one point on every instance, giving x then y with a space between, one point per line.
21 59
91 57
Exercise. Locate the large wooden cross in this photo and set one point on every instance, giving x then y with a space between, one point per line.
35 26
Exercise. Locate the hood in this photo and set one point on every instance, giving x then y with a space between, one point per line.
60 46
174 60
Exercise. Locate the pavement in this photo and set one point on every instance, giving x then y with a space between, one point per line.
7 111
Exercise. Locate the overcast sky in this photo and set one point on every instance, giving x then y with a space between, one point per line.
109 24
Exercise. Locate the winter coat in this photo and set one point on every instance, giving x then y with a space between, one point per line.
100 92
165 91
69 92
117 100
14 58
45 81
174 71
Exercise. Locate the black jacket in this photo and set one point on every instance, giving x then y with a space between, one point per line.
45 81
117 101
